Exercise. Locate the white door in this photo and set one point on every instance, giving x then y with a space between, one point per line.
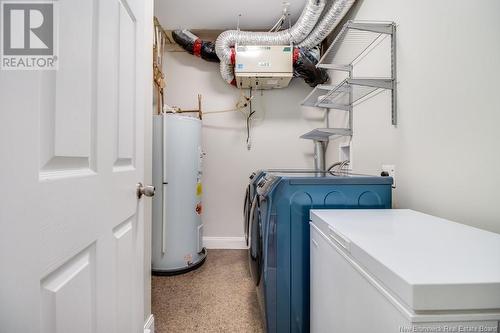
71 153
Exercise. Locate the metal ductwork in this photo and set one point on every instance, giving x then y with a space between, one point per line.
298 32
304 66
313 26
194 45
328 22
304 60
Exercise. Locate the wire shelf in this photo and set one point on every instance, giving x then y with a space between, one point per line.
354 40
317 95
343 95
324 134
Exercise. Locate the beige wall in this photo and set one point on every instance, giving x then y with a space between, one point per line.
278 123
446 145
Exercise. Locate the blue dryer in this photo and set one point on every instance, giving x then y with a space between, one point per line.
254 256
251 209
279 233
251 192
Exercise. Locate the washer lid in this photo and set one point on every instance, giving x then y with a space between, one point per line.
428 262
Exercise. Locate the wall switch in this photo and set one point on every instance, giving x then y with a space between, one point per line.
391 171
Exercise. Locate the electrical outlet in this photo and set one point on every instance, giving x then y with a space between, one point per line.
345 153
391 170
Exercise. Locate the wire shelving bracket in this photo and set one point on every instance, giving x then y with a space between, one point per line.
353 42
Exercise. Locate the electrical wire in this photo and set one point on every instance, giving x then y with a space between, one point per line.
334 165
250 114
279 24
240 106
340 168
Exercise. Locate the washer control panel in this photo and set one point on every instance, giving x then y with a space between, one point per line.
265 185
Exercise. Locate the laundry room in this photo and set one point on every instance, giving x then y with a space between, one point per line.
266 166
404 118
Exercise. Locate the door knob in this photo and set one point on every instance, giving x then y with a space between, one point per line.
147 190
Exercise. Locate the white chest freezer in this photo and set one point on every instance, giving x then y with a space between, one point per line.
384 271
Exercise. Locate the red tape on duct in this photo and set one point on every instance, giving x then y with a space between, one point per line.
233 61
296 54
233 56
197 47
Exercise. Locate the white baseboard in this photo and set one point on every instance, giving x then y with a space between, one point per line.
233 243
149 326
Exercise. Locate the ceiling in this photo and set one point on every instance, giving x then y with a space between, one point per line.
223 14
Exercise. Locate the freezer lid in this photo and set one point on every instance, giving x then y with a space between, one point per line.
427 262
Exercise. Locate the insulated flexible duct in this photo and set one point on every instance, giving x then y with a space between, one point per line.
194 45
307 32
300 30
327 23
304 66
299 34
304 61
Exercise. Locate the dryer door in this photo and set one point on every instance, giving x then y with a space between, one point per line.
255 250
